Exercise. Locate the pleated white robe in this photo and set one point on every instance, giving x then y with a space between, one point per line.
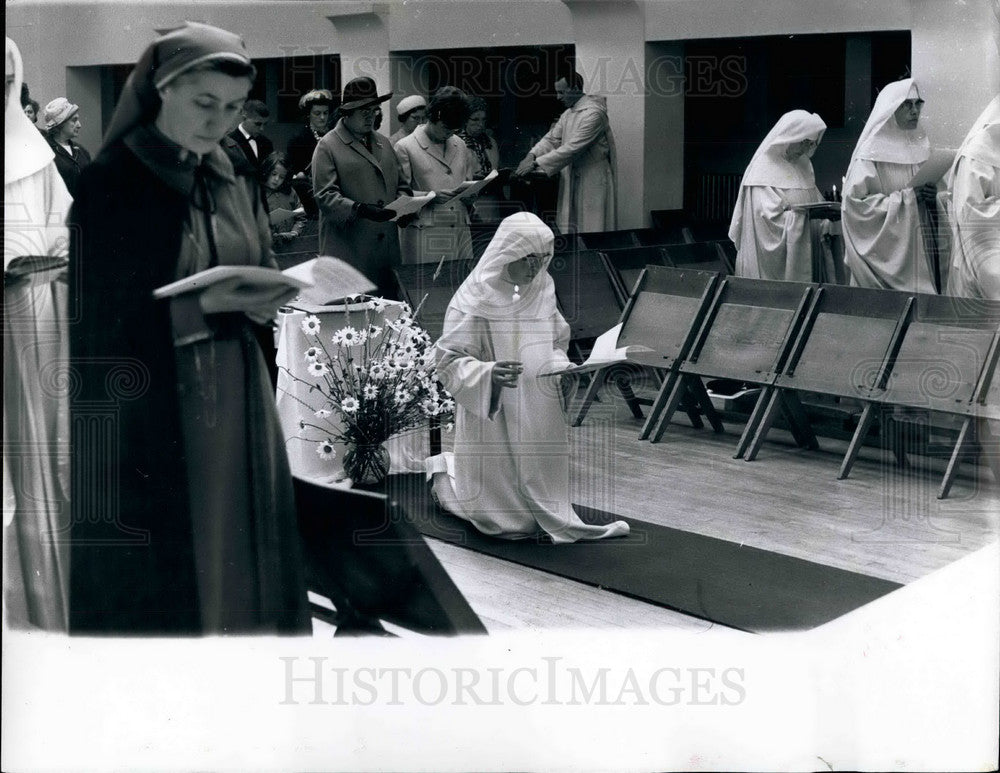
509 475
885 228
777 242
975 229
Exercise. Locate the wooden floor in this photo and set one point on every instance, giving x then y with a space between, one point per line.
882 521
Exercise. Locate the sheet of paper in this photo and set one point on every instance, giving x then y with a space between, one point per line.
604 353
934 167
407 205
249 274
472 187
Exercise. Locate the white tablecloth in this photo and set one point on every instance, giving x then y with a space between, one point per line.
296 403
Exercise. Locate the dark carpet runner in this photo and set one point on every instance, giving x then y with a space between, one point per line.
738 586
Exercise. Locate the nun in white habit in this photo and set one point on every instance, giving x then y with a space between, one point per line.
509 474
887 242
773 239
36 410
974 210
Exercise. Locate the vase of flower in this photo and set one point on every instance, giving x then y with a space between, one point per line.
369 381
366 464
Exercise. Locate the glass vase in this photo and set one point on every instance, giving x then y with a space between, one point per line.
366 464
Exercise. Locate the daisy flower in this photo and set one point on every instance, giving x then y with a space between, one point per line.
310 325
370 392
349 405
323 413
317 369
313 353
378 304
347 336
326 450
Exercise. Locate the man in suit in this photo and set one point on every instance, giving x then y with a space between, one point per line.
355 174
248 138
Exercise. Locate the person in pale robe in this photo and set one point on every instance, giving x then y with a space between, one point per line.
974 210
509 473
773 239
580 147
35 409
886 223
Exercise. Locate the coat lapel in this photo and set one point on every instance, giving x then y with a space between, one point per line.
359 147
433 149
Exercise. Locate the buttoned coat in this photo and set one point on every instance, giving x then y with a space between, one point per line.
345 172
442 227
70 166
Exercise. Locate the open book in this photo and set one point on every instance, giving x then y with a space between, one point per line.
251 275
934 168
329 280
321 281
38 268
605 352
407 205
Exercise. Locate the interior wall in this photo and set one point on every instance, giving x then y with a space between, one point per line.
955 63
663 148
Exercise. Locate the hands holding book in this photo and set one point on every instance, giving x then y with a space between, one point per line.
257 298
371 212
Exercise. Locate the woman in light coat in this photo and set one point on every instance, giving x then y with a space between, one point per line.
434 158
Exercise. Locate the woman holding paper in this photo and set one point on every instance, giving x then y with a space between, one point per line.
433 158
184 519
887 235
774 235
509 473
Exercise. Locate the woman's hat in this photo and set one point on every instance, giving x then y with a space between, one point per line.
361 92
316 97
58 111
410 103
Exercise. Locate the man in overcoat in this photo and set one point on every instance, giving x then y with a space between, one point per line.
355 174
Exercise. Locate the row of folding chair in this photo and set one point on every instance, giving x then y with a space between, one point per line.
882 348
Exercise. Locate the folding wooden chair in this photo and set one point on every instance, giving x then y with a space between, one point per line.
363 555
589 301
944 364
707 256
417 281
654 237
746 336
626 265
673 223
844 348
663 314
607 240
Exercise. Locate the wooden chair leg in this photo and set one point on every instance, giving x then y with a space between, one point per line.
696 387
764 426
758 410
669 378
680 387
625 388
798 422
589 396
867 416
956 457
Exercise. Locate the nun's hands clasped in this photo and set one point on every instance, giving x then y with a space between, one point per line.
507 372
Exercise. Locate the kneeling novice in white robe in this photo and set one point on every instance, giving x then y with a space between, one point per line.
509 474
